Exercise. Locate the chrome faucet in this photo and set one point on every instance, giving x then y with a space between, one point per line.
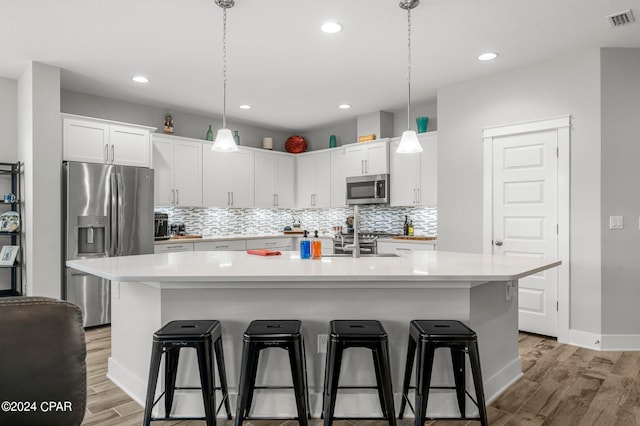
355 247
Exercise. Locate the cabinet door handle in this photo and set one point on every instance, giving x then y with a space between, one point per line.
366 166
228 198
418 192
362 166
173 196
106 153
231 197
277 199
219 247
273 243
113 155
177 196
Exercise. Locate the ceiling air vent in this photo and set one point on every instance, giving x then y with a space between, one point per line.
621 18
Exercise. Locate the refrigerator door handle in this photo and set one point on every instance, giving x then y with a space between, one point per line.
114 215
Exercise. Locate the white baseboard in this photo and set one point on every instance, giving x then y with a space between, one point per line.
620 342
499 382
127 381
585 339
605 342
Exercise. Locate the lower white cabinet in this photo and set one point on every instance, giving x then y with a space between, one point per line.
230 245
270 243
400 248
171 248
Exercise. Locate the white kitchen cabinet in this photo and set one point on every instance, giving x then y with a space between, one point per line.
105 142
367 158
172 248
401 248
228 177
313 178
231 245
414 177
338 178
177 164
274 179
270 243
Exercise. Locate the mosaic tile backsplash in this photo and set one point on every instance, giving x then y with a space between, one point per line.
254 221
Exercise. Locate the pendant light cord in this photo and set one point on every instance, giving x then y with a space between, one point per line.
409 70
224 67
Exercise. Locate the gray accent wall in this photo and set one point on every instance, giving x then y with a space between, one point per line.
620 69
185 124
569 84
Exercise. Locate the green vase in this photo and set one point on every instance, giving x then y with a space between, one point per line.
209 135
332 141
236 137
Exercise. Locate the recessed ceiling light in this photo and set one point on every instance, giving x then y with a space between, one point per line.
331 27
344 106
245 106
140 79
489 56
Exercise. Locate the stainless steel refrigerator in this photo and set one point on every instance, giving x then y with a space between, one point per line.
108 211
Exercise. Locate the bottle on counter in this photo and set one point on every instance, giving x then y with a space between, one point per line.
316 246
209 135
305 246
405 230
410 228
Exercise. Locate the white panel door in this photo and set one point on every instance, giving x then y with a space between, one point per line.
323 180
284 181
265 195
525 219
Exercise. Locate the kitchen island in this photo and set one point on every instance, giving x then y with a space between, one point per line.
235 288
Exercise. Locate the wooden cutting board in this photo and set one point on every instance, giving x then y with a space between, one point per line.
414 237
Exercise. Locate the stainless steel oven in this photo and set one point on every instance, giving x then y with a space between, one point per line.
368 242
373 189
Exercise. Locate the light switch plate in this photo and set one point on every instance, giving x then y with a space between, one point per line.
616 222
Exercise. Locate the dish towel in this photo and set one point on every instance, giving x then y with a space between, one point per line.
264 252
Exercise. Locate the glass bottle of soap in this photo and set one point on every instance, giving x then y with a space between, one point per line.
316 247
305 246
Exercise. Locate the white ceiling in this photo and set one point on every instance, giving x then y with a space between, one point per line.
279 61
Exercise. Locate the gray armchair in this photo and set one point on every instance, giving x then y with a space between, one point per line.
42 362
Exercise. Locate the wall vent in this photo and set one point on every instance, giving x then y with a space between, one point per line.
621 18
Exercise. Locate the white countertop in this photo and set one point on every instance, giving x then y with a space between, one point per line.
237 266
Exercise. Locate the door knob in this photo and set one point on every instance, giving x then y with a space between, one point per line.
498 242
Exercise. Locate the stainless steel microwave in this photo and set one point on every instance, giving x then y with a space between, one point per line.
373 189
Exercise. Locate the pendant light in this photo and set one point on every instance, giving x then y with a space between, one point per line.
224 139
409 142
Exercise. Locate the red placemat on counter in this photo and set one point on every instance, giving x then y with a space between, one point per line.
264 252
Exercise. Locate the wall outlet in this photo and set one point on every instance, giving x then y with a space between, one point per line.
322 343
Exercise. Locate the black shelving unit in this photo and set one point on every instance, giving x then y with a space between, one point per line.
13 238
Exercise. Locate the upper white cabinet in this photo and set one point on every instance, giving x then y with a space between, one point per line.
414 177
106 142
367 158
274 177
228 177
313 177
177 164
338 177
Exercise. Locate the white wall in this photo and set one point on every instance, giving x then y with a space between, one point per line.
620 195
40 149
561 86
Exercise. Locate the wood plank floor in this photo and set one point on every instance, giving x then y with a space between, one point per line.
562 385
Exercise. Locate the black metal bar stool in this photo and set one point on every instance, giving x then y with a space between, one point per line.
368 334
205 337
263 334
427 336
